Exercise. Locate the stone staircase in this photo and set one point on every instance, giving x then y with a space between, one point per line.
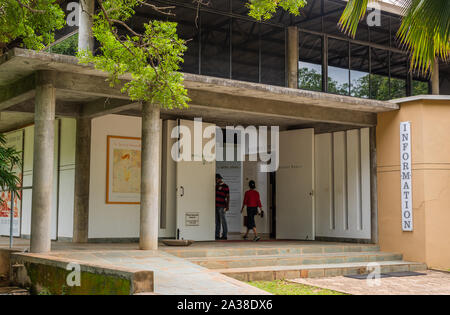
271 262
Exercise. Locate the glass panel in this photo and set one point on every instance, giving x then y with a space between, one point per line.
338 70
310 63
221 5
215 45
239 7
362 33
380 34
399 73
379 76
245 46
332 14
395 25
310 17
68 46
188 31
359 73
273 55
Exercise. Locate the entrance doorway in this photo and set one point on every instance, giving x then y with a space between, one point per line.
321 190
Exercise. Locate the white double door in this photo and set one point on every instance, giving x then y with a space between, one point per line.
195 181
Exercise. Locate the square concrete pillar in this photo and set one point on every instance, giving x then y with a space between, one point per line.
292 56
82 179
44 124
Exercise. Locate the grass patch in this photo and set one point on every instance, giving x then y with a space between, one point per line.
282 287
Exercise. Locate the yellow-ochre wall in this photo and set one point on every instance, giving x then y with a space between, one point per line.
430 137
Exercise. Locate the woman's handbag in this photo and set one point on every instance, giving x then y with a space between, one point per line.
245 220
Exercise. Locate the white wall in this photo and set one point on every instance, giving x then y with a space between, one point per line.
110 220
64 157
106 220
342 177
66 177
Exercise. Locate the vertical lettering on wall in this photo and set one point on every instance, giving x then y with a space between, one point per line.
406 176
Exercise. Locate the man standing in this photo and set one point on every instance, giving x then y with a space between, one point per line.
222 206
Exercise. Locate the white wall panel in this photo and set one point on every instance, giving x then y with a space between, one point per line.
353 183
324 184
109 220
66 178
343 177
365 183
340 181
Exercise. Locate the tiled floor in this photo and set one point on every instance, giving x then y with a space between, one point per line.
434 283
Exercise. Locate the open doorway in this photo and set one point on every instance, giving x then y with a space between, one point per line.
237 174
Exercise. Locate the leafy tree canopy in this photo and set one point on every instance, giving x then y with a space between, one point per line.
151 55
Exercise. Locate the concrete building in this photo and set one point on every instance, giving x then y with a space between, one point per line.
338 103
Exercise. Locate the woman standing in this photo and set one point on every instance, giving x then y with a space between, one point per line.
252 201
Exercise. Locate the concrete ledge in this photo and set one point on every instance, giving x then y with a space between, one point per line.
5 263
45 275
272 273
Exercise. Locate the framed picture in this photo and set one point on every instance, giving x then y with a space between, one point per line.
123 170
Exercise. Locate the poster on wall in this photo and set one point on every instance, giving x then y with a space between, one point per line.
232 176
15 140
123 170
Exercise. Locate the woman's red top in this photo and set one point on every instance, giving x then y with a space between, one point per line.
251 199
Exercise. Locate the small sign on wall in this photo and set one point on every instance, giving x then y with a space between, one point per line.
192 219
406 176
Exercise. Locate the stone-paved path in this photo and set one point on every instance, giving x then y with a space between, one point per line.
434 283
172 275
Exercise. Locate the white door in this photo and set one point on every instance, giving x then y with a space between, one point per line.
195 187
294 186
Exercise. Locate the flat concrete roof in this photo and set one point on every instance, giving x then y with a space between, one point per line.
82 90
19 63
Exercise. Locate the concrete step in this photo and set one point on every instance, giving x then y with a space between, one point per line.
292 259
249 249
270 273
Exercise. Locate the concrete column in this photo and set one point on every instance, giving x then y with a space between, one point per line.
150 176
435 78
44 131
82 177
292 56
85 37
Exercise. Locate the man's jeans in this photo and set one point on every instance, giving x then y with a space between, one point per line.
220 218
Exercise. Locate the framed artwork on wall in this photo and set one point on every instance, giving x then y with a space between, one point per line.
123 170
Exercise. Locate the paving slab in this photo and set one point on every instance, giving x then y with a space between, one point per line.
433 283
172 275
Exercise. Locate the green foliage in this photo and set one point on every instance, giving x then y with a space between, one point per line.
265 9
68 46
10 160
152 57
425 28
31 21
425 31
283 287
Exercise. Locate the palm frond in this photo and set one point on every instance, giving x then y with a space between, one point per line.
424 31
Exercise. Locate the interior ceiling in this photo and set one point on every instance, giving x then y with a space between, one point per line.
12 120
